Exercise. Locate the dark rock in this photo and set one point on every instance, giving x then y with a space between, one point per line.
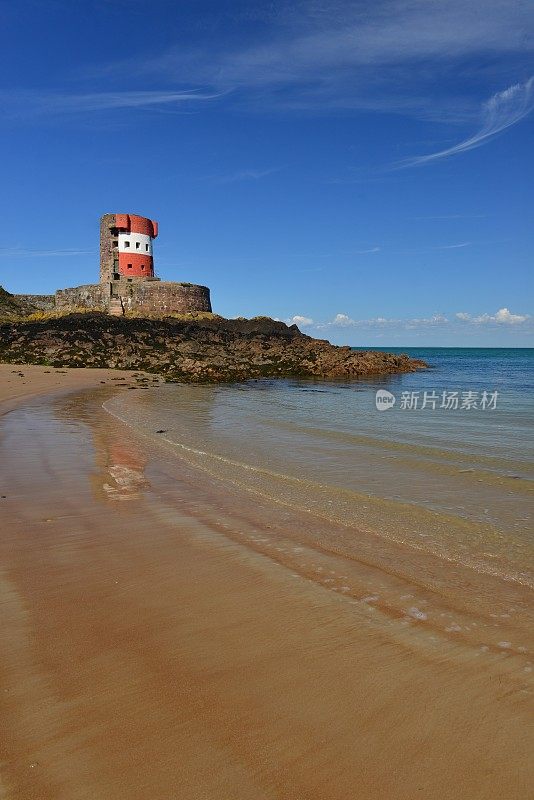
203 350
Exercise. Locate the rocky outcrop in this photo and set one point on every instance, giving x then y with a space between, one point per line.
12 305
212 349
36 302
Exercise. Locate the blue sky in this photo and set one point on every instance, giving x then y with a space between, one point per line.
363 167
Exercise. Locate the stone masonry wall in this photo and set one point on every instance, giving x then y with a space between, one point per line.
150 297
92 296
160 297
44 302
106 248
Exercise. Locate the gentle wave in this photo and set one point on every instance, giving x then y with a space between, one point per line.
446 534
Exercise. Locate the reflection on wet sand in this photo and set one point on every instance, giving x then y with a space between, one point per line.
121 468
199 640
119 461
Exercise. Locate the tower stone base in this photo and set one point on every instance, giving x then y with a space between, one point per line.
143 296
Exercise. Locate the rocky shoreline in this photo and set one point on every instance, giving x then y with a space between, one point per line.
211 349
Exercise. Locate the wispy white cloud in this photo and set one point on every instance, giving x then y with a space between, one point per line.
453 216
435 248
500 112
389 55
435 319
392 56
242 175
24 252
27 104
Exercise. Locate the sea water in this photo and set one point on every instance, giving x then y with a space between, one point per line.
456 481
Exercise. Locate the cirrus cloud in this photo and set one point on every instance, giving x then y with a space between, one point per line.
501 111
37 104
392 56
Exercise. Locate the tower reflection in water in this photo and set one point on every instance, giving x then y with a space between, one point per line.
121 468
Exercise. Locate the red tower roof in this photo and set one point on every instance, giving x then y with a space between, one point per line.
132 223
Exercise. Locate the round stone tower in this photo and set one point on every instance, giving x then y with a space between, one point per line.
126 247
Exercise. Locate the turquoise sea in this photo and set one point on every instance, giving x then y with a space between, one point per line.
507 430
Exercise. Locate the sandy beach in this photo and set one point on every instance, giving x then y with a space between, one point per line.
167 635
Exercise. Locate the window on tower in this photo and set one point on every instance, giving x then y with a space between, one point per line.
126 244
129 266
137 245
146 247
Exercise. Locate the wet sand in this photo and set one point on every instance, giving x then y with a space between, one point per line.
22 381
167 635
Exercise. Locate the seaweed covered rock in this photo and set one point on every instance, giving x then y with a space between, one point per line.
194 350
12 306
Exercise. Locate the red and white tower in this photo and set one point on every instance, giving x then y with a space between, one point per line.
134 237
127 276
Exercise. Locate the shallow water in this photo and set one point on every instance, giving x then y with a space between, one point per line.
454 483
